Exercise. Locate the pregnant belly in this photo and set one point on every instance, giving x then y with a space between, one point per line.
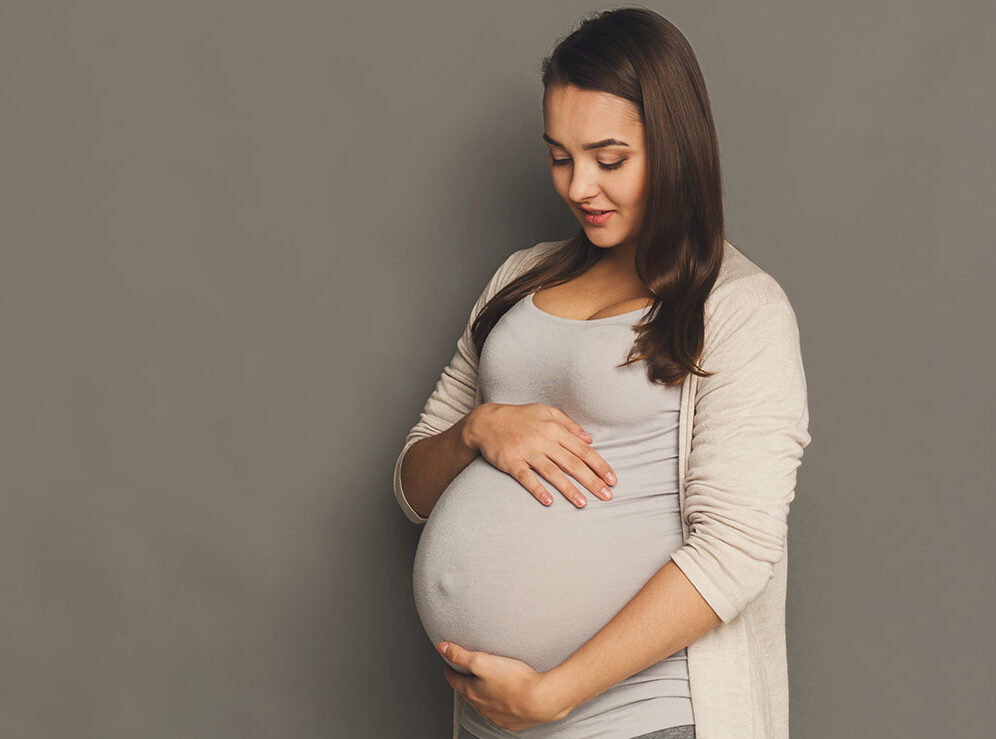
497 571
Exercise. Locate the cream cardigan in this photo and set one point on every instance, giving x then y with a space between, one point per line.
741 437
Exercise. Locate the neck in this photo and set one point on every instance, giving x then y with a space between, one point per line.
620 258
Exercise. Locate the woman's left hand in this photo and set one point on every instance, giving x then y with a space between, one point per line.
507 692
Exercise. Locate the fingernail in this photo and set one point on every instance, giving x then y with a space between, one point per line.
547 499
580 501
607 493
611 478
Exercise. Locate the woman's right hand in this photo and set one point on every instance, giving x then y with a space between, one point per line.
519 439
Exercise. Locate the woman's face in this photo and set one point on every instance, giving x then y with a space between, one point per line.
597 160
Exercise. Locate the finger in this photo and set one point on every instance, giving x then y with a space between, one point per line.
591 458
566 454
527 478
464 658
552 472
570 424
453 652
457 681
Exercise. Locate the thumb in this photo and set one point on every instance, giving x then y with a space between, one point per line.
453 652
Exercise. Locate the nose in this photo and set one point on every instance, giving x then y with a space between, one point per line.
584 184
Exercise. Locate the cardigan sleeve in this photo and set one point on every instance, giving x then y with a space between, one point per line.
456 389
750 427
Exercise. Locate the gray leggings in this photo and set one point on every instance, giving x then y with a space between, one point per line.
685 731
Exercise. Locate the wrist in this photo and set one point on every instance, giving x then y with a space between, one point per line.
471 426
555 695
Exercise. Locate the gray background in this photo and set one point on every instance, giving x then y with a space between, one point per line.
239 241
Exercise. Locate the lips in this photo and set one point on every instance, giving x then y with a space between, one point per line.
593 218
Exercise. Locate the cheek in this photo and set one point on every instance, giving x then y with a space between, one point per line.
561 183
629 191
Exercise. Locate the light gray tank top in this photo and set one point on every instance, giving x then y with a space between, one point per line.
495 570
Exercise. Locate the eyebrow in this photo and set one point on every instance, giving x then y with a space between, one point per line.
596 145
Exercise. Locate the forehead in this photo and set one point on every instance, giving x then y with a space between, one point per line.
575 116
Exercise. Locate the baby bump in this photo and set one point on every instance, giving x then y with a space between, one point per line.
497 571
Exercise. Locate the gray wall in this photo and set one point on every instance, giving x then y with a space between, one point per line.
225 232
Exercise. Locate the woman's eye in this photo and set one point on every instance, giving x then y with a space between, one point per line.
603 165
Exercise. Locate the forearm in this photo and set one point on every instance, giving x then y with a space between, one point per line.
666 615
431 464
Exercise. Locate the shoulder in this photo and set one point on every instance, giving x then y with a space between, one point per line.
747 306
743 289
513 265
518 262
522 259
742 284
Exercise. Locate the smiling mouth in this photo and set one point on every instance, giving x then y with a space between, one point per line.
597 218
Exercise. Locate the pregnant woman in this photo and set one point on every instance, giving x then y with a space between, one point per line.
604 469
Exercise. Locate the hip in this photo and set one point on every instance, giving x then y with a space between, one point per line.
685 731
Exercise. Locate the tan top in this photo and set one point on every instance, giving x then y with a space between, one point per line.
741 437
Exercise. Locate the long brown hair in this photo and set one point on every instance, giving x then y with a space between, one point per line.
640 56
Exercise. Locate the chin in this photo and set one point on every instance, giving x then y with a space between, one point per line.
601 237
